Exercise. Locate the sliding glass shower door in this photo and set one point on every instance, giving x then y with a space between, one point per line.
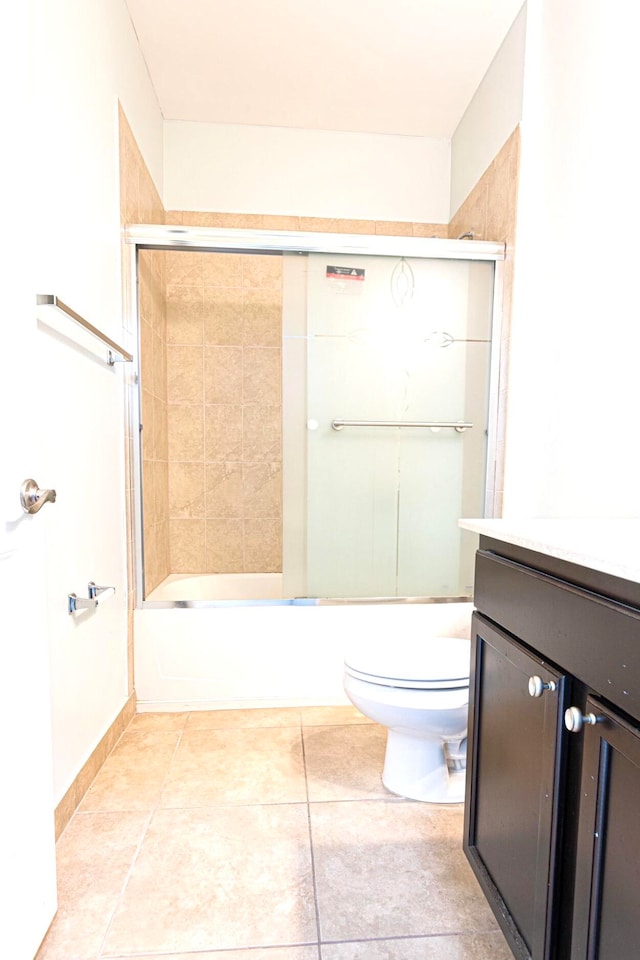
398 349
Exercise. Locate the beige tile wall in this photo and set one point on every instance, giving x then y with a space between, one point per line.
139 203
489 212
155 434
224 321
194 218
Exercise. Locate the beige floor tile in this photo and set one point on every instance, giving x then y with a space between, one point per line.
269 953
233 881
132 775
345 763
392 869
259 717
323 716
93 858
489 946
254 765
218 878
158 721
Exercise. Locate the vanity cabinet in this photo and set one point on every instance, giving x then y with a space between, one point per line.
552 815
606 920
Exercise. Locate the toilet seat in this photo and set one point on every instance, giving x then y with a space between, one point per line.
434 663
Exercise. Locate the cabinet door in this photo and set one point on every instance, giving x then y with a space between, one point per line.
515 788
606 922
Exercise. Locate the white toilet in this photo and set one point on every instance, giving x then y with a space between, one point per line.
419 689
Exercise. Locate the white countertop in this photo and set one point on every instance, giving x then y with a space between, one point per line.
610 546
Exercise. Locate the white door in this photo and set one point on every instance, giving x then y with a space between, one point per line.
27 843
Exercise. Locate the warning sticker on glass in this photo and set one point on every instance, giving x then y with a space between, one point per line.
345 273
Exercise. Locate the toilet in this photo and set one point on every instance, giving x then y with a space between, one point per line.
418 688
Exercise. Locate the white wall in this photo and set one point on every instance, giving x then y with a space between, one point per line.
314 173
85 56
492 115
571 442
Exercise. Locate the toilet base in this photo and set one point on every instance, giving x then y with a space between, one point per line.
418 770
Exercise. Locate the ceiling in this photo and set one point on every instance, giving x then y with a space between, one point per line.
402 67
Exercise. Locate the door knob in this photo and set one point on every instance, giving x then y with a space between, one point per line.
537 686
574 719
33 498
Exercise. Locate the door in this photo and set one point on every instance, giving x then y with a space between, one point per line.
606 923
27 844
27 857
515 783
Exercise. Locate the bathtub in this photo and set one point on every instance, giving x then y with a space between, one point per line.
277 654
219 586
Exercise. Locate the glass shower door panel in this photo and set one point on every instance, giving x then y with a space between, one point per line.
352 473
442 478
383 502
352 537
428 513
352 478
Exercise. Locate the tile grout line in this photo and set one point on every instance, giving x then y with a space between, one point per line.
444 935
311 853
136 854
207 953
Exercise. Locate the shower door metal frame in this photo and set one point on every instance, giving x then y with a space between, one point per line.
220 240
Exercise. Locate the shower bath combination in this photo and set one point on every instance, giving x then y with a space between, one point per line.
317 413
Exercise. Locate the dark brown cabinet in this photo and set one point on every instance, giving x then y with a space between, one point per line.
552 825
517 750
606 916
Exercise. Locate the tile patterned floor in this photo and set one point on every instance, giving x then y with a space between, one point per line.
262 835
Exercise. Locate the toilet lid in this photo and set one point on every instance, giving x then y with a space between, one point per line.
421 662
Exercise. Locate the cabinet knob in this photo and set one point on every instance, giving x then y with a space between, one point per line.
537 686
574 719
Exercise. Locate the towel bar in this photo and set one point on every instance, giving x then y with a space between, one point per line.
116 353
458 425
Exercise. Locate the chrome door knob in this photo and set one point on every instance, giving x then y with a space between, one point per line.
537 686
574 719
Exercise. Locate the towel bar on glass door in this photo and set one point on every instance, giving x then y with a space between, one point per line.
49 300
97 595
458 425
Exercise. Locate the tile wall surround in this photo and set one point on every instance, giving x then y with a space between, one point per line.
196 520
139 203
490 213
242 221
224 322
155 435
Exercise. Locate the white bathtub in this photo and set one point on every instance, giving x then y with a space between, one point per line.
219 586
276 655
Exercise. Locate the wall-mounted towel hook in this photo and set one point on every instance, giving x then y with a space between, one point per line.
97 595
33 498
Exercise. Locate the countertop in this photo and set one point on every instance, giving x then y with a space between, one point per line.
608 545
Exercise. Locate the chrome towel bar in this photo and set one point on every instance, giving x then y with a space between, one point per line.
97 595
49 300
458 425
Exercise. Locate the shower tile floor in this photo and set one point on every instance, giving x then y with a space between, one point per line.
262 835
